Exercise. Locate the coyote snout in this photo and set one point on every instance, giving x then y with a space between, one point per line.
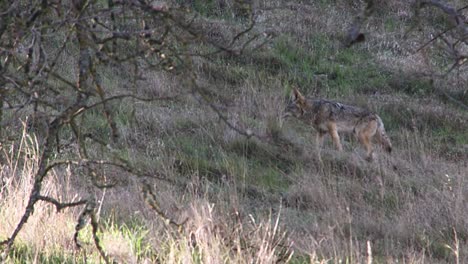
333 117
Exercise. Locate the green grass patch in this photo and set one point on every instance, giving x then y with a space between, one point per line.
198 154
265 164
246 160
129 239
402 82
395 116
391 24
136 235
208 8
450 135
347 70
388 203
302 259
263 155
23 254
96 123
226 71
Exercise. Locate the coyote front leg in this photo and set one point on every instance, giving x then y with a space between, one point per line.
319 139
366 141
333 131
319 142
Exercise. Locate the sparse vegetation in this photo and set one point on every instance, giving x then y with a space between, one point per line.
207 169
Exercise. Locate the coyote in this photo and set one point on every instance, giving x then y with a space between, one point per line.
333 117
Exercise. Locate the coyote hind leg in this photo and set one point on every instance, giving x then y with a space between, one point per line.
365 137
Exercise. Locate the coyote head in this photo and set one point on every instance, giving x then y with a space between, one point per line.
297 104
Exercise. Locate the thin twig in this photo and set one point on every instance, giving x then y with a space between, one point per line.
433 39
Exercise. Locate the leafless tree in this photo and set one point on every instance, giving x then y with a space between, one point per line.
453 39
38 37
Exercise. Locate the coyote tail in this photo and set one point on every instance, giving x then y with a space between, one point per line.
382 136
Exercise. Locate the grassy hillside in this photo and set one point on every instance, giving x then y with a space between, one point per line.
270 198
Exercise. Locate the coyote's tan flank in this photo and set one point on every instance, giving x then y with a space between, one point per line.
333 117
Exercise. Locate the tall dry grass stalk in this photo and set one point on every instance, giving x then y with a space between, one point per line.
46 232
215 236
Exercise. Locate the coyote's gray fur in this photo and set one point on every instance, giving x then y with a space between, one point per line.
333 117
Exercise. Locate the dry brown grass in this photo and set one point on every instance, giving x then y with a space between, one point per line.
214 235
47 231
48 234
410 202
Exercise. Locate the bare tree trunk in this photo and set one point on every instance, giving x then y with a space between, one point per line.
3 25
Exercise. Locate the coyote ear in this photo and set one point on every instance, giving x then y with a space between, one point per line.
297 95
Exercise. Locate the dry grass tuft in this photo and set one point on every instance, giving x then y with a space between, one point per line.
214 235
48 234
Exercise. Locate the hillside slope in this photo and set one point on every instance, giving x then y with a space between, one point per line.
267 196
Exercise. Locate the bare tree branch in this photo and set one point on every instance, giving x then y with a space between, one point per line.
89 213
58 205
433 39
150 198
33 81
457 19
